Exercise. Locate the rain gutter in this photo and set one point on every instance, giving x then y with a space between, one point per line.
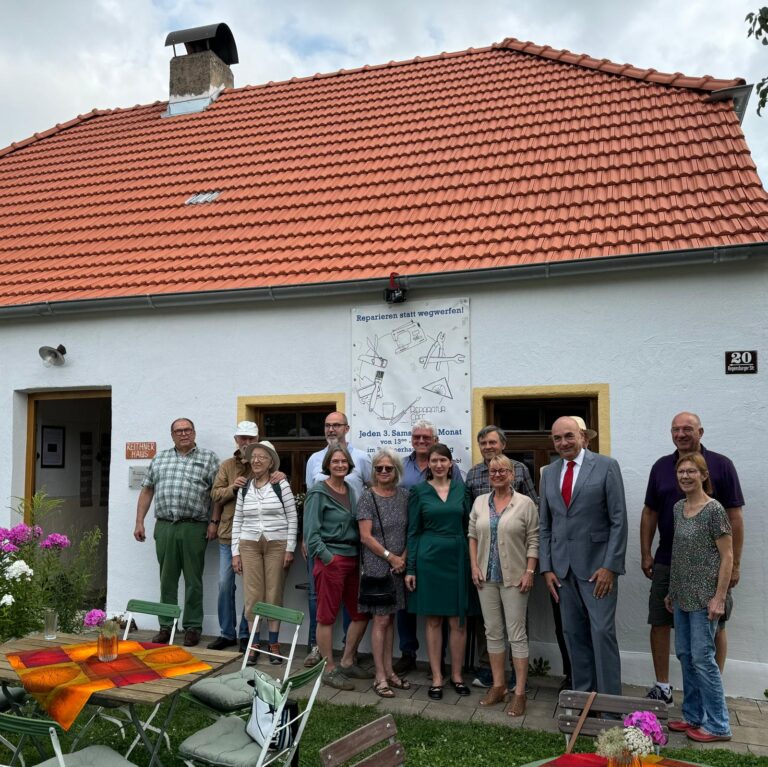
453 279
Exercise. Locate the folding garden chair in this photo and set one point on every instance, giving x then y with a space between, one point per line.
120 715
380 732
226 743
230 693
33 730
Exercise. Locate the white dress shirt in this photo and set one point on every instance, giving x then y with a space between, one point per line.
578 460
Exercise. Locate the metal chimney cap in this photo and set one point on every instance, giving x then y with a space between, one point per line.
213 37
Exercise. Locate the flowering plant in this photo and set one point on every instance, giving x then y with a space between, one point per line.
638 744
39 571
648 724
108 627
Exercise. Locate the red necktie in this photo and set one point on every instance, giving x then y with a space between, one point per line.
568 483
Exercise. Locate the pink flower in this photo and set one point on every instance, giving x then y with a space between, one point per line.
94 618
648 724
55 541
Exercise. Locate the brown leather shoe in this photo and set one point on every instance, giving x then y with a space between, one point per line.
162 637
494 695
191 637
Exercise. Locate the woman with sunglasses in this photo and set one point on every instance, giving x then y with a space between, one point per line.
382 516
504 552
438 565
702 559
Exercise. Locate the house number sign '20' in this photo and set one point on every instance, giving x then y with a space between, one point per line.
741 362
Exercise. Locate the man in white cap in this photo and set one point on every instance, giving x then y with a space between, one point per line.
233 474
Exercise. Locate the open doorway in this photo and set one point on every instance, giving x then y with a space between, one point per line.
69 437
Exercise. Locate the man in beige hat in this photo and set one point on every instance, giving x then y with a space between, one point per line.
233 474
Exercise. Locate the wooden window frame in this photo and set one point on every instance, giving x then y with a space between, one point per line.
483 398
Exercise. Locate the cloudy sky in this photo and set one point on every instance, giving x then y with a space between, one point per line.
59 59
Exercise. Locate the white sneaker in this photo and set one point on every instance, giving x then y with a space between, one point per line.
313 658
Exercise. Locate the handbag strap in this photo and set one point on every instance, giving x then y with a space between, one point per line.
375 506
580 723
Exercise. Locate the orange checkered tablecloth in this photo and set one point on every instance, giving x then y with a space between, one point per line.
62 679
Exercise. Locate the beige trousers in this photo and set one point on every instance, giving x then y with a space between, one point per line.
502 606
263 573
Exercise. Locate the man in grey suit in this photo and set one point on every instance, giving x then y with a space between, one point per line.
583 541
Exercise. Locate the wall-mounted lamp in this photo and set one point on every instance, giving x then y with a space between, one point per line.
395 293
51 356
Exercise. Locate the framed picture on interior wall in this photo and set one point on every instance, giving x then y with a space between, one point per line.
52 447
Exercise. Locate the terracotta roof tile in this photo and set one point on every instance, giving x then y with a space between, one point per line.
495 157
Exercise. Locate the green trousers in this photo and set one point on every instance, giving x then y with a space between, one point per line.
180 549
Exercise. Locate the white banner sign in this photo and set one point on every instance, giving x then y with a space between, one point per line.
410 362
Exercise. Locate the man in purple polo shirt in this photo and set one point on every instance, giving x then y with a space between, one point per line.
660 497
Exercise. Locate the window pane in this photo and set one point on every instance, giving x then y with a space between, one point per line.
527 457
279 425
556 410
517 416
312 424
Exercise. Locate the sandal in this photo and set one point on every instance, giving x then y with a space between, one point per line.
398 683
494 695
518 705
460 688
381 688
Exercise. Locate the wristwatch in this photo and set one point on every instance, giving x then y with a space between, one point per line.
386 554
214 521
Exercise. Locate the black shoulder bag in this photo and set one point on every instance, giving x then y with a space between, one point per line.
376 591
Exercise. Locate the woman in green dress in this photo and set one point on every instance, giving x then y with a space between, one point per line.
438 575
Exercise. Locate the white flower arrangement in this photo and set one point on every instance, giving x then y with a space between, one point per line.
18 569
638 744
7 600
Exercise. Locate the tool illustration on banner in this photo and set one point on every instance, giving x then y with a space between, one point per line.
439 387
407 336
436 354
372 391
374 358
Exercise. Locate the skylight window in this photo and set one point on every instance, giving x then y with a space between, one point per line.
202 197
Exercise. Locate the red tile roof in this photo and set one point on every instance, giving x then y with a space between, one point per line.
508 155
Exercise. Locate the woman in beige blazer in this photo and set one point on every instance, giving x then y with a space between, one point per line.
503 552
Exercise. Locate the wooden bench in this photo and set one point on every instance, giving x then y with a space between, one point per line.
571 703
362 739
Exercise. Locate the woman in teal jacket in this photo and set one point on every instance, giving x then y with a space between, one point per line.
332 538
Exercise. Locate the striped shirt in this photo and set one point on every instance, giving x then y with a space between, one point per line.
262 513
182 483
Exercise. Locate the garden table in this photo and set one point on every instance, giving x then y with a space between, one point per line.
144 693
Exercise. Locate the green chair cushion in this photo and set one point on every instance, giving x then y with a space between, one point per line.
93 756
225 693
224 743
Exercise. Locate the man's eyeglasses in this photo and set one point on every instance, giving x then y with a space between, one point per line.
183 431
335 426
421 438
383 469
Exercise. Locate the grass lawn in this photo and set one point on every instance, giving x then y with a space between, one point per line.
428 743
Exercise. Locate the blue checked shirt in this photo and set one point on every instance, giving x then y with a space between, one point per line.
182 483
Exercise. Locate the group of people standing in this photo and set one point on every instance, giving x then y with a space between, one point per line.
452 548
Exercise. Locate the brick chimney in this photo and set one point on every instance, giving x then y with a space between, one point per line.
202 73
